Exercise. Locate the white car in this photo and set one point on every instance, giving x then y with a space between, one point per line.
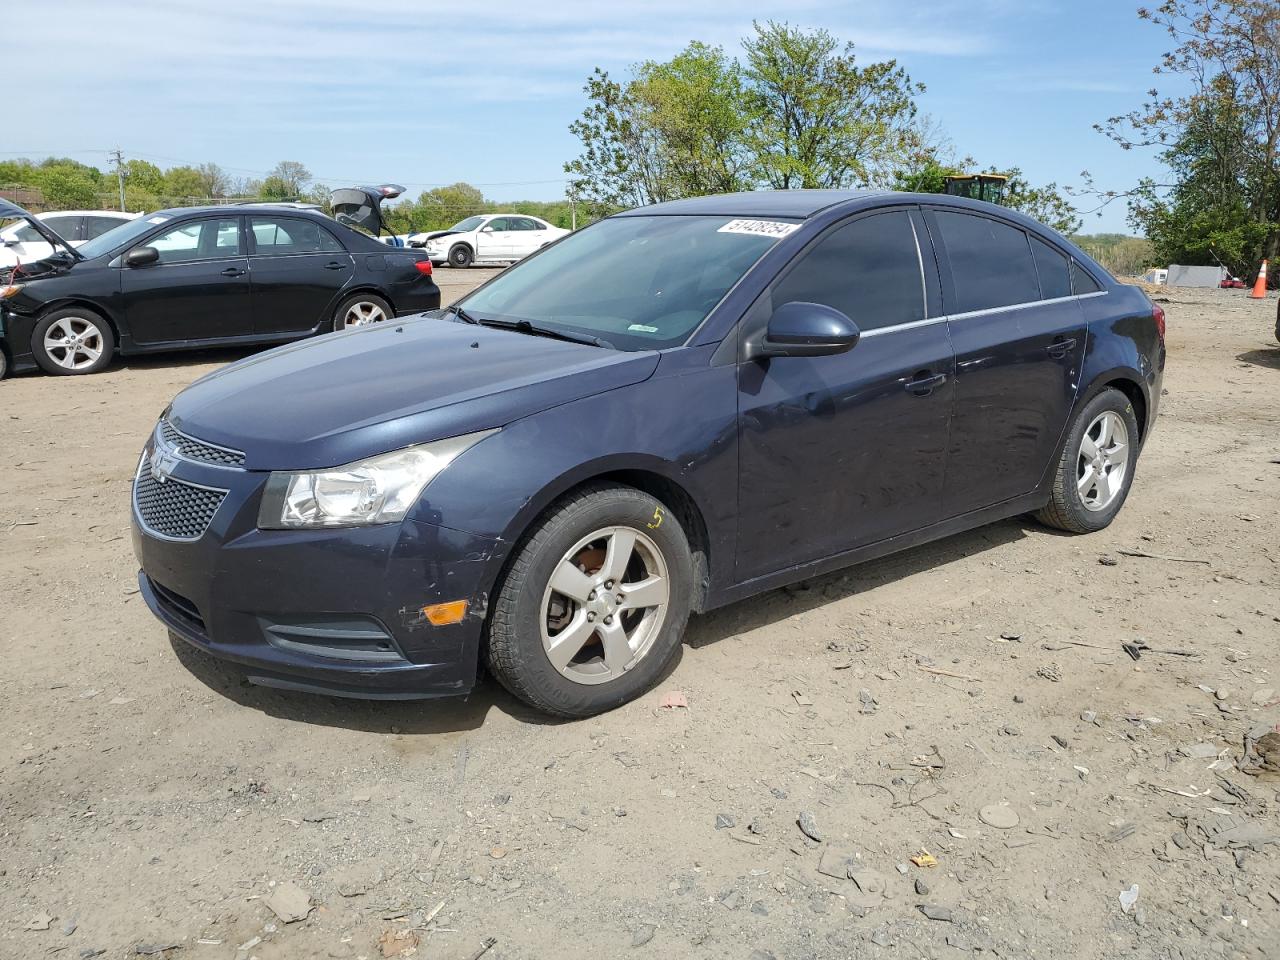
487 238
20 243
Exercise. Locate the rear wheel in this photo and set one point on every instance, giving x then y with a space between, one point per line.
1095 471
361 310
460 256
71 341
594 605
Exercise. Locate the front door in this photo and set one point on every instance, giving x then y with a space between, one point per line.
841 451
199 288
299 270
493 242
1019 337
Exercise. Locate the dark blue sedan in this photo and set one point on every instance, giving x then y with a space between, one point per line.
673 409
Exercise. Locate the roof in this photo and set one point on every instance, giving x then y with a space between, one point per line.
236 208
756 203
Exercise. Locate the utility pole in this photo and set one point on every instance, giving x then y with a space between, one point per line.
118 158
573 210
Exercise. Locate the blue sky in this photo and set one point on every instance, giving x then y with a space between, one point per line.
431 93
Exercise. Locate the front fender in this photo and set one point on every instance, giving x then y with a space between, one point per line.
680 425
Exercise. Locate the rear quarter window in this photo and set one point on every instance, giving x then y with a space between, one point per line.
1054 269
1082 281
991 262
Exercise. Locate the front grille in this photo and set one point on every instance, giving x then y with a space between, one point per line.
194 449
173 509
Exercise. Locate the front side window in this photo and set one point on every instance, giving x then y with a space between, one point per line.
68 228
497 224
639 282
869 270
1054 270
199 240
991 263
285 236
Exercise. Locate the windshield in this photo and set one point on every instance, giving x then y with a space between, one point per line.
467 225
116 237
641 283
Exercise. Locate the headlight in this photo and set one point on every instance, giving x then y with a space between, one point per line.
10 290
380 489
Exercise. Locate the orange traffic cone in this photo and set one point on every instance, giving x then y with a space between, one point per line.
1260 285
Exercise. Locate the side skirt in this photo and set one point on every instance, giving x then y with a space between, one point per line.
968 521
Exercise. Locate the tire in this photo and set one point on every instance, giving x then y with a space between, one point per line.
362 310
4 364
523 628
460 255
93 342
1083 500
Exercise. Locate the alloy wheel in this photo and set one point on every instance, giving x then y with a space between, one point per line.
1103 462
604 605
73 343
362 313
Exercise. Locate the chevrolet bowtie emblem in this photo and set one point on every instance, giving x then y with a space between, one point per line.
162 464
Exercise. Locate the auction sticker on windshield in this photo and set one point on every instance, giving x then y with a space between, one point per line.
759 228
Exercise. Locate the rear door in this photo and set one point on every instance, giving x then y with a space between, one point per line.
1019 337
298 270
527 235
838 452
199 289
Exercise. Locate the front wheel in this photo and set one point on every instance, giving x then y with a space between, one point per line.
594 605
72 340
1095 472
361 310
460 256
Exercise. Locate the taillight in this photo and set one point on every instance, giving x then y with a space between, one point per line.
1157 314
424 268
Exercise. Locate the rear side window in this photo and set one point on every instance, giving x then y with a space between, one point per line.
869 270
1082 282
97 226
991 264
1054 270
283 236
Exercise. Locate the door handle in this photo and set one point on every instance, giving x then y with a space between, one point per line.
233 272
924 383
335 265
1060 348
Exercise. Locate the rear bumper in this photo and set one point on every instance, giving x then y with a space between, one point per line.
330 611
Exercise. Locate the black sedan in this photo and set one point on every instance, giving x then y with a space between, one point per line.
672 409
203 277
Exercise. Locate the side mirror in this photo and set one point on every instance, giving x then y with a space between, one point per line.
800 329
486 229
10 242
142 257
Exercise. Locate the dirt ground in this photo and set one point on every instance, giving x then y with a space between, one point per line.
966 702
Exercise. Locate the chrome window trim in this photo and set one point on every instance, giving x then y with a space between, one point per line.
979 313
924 287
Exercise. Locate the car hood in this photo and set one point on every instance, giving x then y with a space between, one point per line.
344 396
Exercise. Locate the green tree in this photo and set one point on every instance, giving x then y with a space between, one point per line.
1219 136
143 176
67 188
442 207
817 119
289 177
183 183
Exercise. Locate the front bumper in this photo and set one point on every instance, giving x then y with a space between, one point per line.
329 611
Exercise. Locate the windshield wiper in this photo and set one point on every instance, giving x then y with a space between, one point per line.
461 314
524 326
